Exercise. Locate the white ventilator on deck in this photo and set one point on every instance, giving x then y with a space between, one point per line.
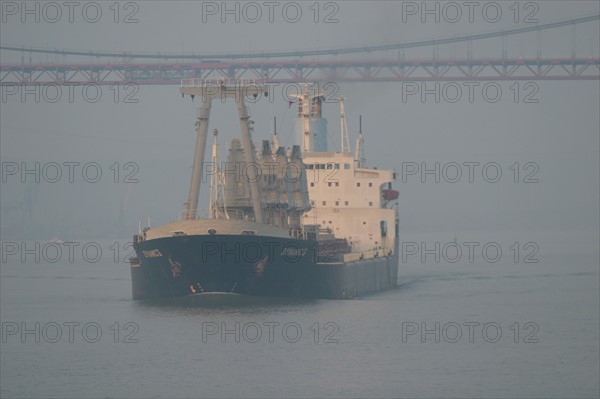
217 192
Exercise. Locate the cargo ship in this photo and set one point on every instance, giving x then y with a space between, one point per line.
300 221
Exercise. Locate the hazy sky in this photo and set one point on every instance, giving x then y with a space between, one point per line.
556 139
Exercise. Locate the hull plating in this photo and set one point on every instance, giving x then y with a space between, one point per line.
252 265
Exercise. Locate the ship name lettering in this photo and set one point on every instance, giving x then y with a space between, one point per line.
152 253
294 251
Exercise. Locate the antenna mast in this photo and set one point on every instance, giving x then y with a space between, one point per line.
359 155
345 142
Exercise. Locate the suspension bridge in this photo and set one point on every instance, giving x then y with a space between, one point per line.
351 64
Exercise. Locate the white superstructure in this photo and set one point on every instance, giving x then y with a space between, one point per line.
350 202
348 199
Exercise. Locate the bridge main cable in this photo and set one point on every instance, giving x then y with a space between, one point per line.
304 53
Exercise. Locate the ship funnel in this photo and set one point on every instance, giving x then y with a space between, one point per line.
311 128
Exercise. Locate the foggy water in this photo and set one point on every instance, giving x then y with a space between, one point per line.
359 350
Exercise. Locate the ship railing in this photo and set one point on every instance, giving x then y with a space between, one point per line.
204 213
238 214
367 254
200 213
201 82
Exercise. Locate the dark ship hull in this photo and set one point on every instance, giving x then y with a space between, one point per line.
254 265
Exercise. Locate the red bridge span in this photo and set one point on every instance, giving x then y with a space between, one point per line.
285 71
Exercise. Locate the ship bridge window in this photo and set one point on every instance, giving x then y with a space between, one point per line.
310 166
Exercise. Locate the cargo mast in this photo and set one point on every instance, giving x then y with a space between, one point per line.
209 89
